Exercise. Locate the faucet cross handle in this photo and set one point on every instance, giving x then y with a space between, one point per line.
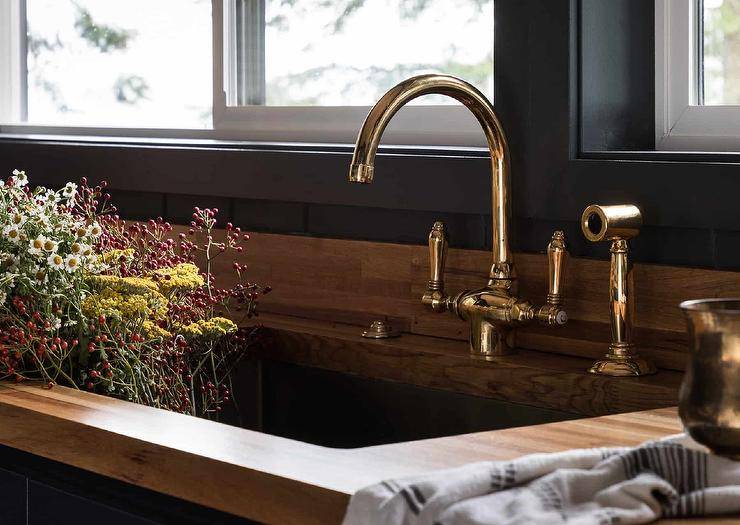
435 295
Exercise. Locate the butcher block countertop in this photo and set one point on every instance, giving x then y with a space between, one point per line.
262 477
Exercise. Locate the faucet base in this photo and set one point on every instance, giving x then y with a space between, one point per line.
623 367
488 341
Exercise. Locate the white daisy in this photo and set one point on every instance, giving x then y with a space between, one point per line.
12 233
36 246
19 178
72 262
57 324
70 190
51 197
80 230
55 261
17 219
94 230
39 274
50 246
85 249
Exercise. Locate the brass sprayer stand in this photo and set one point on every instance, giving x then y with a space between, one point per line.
618 224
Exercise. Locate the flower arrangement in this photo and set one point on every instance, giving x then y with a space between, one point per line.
91 302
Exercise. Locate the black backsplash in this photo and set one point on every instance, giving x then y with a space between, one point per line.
695 247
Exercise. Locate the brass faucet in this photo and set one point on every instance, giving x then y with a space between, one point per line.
495 309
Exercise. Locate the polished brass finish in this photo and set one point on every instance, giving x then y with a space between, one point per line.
368 139
618 224
435 296
380 329
709 399
556 255
621 221
495 309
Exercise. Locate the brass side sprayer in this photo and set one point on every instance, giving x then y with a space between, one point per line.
618 224
494 309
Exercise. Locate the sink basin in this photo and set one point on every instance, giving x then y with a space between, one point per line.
345 411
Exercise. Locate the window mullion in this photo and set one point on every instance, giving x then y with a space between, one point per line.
13 69
250 57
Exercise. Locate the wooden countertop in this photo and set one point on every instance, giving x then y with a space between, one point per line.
528 377
263 477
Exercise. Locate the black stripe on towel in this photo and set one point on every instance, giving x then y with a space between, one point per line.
406 493
419 496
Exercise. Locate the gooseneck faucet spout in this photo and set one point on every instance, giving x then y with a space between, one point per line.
363 160
493 310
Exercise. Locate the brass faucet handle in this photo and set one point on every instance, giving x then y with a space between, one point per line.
435 296
552 312
437 255
557 256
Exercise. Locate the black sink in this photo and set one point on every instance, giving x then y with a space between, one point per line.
346 411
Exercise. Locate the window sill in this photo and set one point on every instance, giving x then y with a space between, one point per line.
216 144
698 157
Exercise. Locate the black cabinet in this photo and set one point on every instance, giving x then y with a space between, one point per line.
13 498
50 506
38 491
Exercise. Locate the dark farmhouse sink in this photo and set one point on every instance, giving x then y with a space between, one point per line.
346 411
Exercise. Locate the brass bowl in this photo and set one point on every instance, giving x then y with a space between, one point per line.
709 400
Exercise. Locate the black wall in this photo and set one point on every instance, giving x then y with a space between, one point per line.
574 91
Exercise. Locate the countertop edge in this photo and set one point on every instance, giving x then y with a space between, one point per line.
262 477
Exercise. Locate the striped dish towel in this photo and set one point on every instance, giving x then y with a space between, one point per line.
673 477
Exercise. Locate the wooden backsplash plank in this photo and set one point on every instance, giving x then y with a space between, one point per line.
357 281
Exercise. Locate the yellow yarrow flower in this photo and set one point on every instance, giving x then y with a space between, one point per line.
208 328
124 298
181 277
153 330
111 303
114 256
138 285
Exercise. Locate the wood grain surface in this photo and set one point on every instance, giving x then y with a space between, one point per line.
355 282
331 287
528 377
262 477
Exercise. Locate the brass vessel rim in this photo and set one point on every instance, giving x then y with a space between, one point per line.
729 305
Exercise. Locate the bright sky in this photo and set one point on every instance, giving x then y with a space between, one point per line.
172 52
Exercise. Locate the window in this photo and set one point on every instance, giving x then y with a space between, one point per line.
697 76
101 64
279 70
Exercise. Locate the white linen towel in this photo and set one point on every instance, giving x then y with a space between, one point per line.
608 486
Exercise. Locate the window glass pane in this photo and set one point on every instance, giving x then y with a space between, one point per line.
349 52
721 60
133 63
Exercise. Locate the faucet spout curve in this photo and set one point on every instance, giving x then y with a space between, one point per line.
363 160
